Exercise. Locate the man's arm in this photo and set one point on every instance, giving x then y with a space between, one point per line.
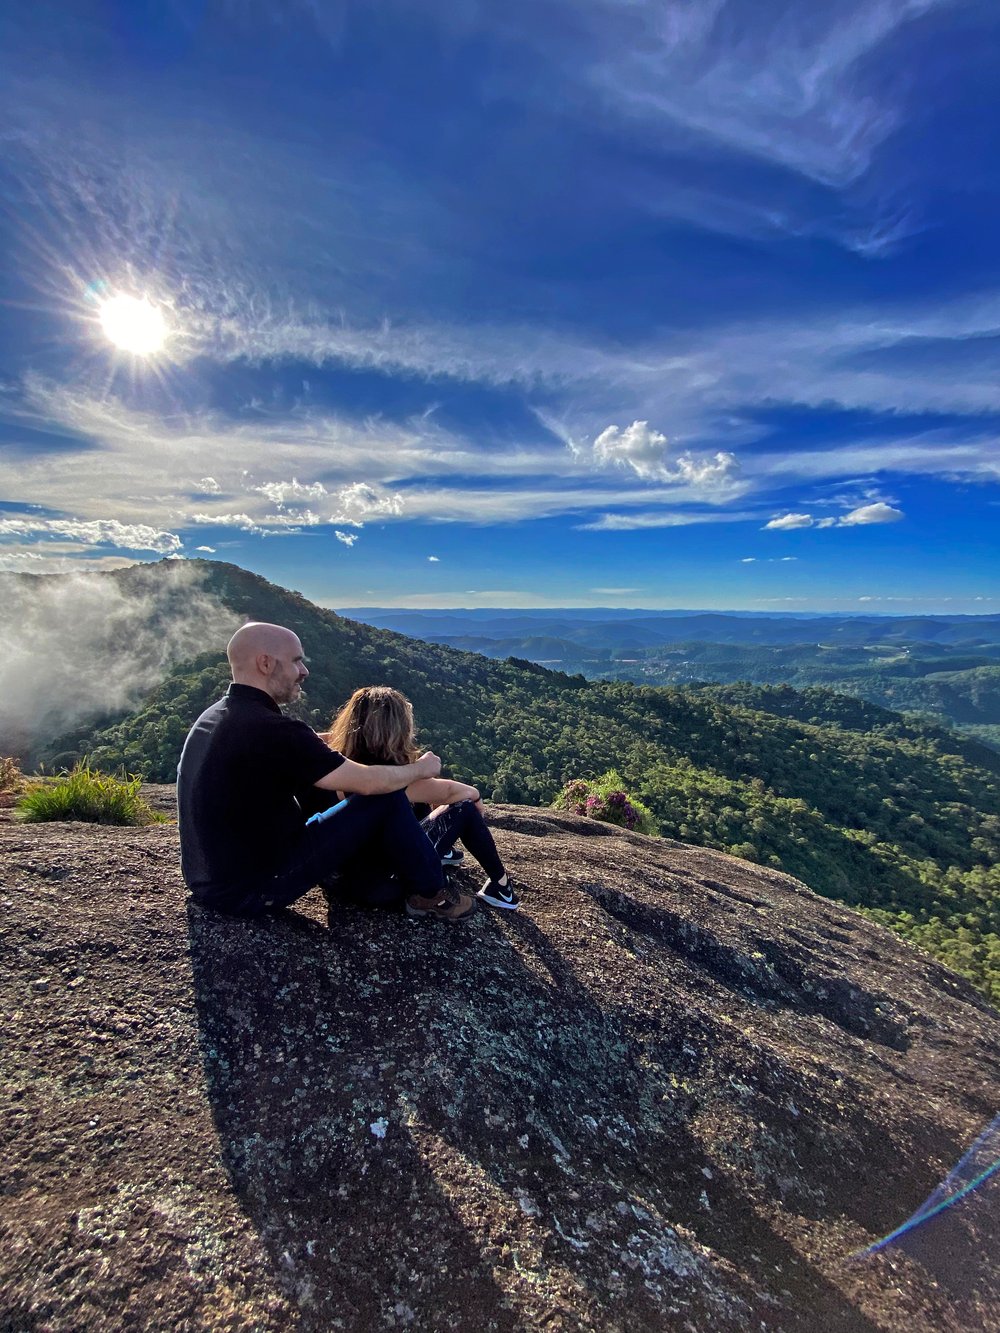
378 779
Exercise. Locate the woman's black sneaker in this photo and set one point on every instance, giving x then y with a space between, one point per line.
500 895
453 857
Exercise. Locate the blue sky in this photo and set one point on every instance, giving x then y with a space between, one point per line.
569 302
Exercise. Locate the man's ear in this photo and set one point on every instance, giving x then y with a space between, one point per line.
264 661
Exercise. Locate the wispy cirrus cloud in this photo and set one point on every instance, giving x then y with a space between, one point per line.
689 386
784 87
131 461
315 465
664 518
134 463
783 84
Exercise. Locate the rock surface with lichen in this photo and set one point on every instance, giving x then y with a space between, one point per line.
675 1092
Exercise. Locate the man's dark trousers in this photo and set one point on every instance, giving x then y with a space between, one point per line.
383 828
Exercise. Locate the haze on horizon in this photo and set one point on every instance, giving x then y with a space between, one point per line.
549 305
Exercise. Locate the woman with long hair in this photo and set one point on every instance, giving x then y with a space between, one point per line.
376 726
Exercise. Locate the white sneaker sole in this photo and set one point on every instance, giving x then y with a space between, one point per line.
498 902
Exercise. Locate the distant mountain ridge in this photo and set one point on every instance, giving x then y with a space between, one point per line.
596 626
947 667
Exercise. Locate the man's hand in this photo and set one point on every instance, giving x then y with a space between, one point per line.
428 764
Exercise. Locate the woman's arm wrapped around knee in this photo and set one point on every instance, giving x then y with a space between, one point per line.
442 791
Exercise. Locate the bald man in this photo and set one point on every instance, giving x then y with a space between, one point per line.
245 846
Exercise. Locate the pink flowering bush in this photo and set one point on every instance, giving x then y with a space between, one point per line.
573 797
604 798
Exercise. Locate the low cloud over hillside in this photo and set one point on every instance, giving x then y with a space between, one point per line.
78 647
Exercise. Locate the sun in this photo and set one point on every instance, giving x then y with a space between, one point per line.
133 324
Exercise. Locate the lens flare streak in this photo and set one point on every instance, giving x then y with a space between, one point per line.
977 1166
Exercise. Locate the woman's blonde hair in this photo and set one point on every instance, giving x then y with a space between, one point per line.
375 726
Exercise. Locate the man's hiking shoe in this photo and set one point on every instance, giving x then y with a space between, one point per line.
444 906
500 895
454 857
331 888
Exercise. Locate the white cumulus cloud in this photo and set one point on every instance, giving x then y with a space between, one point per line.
637 446
879 512
242 521
359 502
268 525
94 532
280 492
348 538
706 470
290 518
788 521
644 450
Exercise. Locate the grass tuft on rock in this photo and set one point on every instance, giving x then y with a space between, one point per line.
11 780
88 796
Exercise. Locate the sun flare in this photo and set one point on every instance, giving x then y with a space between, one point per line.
133 324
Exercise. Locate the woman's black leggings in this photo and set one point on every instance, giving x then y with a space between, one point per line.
371 882
463 823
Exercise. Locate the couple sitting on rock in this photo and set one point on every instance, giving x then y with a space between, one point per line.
267 809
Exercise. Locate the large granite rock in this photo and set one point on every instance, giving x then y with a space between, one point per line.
675 1092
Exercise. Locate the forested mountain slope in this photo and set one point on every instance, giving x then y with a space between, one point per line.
880 812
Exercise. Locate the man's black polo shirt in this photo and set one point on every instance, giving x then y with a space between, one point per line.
242 762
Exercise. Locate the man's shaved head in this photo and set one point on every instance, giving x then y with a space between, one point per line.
259 637
268 657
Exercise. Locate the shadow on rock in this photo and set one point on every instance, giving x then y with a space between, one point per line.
309 1056
609 1161
596 1114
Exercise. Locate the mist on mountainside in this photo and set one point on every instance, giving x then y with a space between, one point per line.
85 646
